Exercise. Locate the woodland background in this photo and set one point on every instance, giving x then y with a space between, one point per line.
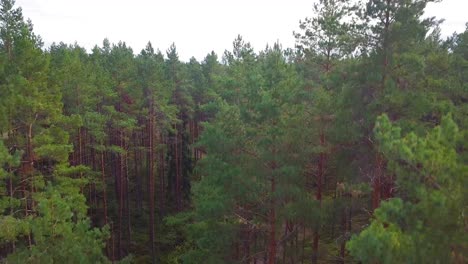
352 147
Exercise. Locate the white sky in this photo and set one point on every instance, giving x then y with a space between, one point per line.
196 26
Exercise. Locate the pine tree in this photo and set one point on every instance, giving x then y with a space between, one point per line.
430 179
180 162
44 205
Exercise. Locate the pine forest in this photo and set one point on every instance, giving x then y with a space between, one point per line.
351 147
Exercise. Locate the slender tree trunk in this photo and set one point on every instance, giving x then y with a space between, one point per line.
333 216
11 193
136 162
151 180
27 172
121 196
272 240
104 198
377 192
321 165
320 176
31 160
95 168
181 169
255 247
377 182
386 45
350 215
197 134
247 244
113 243
177 168
80 151
315 246
285 243
192 137
296 252
303 243
343 242
127 200
104 186
162 176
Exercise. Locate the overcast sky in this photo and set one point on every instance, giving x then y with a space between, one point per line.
197 27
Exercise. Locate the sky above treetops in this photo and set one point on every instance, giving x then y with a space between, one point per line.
196 27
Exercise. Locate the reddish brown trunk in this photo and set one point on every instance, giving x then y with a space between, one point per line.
139 184
151 180
104 187
121 196
80 149
181 155
162 176
321 165
377 182
272 240
95 168
85 157
127 198
104 198
192 136
376 194
177 168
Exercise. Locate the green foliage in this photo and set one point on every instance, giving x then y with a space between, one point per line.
431 178
292 150
61 231
326 35
379 244
47 220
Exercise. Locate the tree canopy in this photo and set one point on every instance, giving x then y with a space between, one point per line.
350 147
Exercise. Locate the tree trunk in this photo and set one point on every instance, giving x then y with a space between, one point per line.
343 242
177 168
272 240
139 184
303 243
377 182
320 175
162 177
285 242
104 194
151 180
121 196
386 45
127 199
